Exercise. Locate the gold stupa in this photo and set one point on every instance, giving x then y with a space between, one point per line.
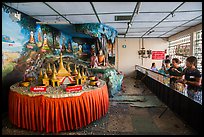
54 69
40 77
49 70
45 80
41 74
78 78
75 70
54 80
68 68
62 72
84 77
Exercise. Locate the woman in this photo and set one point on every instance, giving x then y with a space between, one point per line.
175 71
191 76
153 67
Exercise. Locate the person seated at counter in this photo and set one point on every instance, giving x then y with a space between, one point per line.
175 71
153 67
165 67
191 76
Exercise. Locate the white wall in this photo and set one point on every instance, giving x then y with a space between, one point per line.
127 58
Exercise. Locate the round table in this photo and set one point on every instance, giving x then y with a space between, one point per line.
46 114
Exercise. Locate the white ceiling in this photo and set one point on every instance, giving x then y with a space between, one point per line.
164 18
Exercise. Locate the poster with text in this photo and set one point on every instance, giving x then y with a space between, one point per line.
158 55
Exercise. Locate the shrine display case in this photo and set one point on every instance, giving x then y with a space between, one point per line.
180 49
197 50
176 98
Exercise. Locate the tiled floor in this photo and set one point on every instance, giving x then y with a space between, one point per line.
125 117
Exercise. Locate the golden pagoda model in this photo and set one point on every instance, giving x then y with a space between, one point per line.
68 68
49 70
54 80
62 76
84 77
78 78
45 80
75 70
54 69
40 77
62 72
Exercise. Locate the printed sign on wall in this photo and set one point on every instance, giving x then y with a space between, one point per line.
158 55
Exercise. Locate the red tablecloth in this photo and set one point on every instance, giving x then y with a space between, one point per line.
40 113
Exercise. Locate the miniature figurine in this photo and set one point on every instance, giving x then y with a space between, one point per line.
80 49
101 56
92 49
45 44
31 37
94 61
39 37
69 50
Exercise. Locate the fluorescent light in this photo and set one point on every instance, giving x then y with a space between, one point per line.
53 22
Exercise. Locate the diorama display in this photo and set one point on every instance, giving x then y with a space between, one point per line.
51 74
40 45
58 79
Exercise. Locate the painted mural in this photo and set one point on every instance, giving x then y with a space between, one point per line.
27 47
24 43
13 38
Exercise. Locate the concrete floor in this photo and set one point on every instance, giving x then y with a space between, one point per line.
125 118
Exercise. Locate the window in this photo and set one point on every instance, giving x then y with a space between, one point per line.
180 49
197 49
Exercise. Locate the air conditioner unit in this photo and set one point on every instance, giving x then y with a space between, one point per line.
15 16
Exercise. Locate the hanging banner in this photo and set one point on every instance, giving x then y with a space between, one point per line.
158 55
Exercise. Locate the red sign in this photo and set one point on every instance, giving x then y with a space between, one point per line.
158 55
74 88
38 89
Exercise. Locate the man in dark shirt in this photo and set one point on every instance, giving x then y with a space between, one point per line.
192 76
